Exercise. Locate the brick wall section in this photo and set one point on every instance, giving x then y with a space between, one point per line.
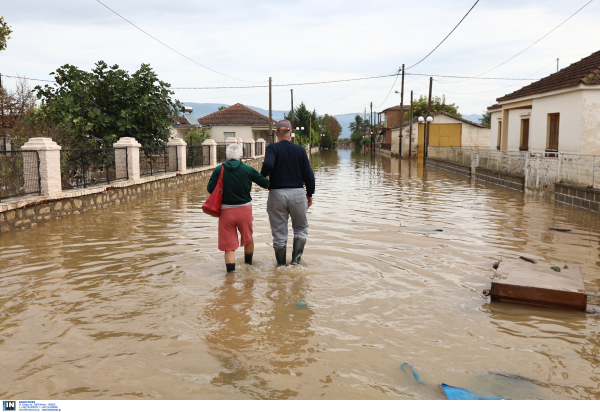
40 209
577 196
450 166
501 179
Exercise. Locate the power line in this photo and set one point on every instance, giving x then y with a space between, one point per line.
169 47
28 78
461 20
534 43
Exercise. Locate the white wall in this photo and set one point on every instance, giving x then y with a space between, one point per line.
570 106
590 137
494 129
217 132
514 129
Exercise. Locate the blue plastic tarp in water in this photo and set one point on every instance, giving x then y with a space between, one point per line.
459 394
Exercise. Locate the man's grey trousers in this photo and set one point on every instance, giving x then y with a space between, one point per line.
282 204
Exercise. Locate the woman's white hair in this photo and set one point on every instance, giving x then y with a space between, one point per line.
234 151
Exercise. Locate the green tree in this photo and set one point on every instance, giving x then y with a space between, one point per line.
356 128
222 108
100 106
487 118
5 32
304 118
196 137
437 104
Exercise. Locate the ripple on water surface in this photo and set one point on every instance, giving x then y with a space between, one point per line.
132 301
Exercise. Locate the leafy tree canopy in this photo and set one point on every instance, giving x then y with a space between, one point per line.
437 104
356 128
331 125
5 32
487 117
196 137
222 108
100 106
304 118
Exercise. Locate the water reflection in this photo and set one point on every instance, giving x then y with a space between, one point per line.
132 301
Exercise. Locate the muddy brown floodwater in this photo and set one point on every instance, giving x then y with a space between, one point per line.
132 301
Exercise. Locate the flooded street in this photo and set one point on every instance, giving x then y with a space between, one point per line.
132 301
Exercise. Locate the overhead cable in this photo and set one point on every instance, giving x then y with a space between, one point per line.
169 47
532 44
461 20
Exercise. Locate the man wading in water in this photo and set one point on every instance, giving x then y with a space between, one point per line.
289 169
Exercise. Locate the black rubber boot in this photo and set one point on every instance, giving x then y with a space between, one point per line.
248 257
230 267
280 255
298 250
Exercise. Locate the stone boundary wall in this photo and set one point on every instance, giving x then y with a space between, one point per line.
29 211
578 196
501 179
450 166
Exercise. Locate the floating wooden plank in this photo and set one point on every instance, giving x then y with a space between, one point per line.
522 282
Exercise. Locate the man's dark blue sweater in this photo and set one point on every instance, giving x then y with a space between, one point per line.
288 167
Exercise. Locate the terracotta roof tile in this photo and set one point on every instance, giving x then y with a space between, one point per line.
495 106
238 114
586 71
396 108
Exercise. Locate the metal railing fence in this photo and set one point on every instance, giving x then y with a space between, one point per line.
155 160
88 167
19 173
197 156
247 150
221 152
540 169
259 149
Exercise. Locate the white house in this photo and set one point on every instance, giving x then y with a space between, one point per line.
560 112
236 121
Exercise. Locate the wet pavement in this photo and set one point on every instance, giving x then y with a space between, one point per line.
132 301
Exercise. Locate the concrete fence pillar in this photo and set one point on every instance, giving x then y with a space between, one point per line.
263 146
177 153
240 141
250 141
49 177
209 152
127 161
232 140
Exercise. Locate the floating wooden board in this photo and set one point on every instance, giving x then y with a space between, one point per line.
536 284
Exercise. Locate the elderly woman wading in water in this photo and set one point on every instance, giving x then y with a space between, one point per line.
236 208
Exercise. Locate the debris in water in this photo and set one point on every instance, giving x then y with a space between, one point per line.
415 374
438 230
486 292
560 230
555 268
528 259
496 264
303 303
455 393
566 267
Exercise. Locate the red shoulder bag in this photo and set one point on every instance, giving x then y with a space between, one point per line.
212 206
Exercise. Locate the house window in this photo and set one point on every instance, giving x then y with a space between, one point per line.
553 123
524 134
229 134
499 135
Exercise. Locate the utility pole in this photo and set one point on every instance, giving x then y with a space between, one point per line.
2 115
364 123
401 112
293 133
270 115
557 64
371 130
411 125
428 114
309 136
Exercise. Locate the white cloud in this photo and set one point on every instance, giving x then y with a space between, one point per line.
299 41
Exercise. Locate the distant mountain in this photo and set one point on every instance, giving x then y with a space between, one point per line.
473 117
203 109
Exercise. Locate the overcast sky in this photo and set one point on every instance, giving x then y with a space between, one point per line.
303 41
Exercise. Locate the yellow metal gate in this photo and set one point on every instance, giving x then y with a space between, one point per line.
445 135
